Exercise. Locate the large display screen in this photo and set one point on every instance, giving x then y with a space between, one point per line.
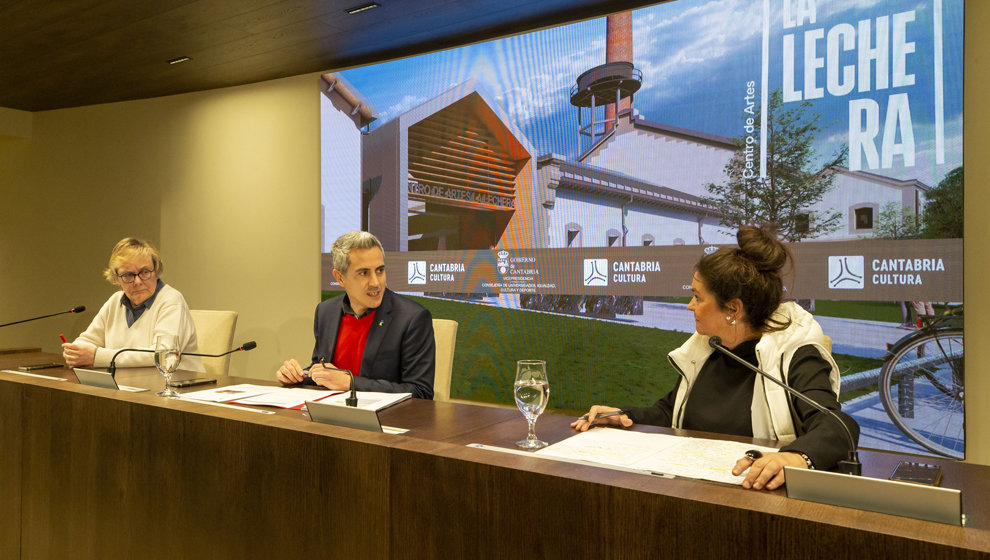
553 191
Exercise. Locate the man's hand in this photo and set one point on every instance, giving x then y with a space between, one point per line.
291 372
328 376
78 355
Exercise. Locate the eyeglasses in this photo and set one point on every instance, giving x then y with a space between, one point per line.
128 277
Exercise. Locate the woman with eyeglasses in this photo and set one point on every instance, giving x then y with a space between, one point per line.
144 308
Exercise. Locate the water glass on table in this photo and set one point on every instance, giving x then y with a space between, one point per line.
532 391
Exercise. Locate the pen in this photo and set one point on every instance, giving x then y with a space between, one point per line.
62 336
605 414
323 362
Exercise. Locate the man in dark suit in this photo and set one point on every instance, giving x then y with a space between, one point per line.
383 338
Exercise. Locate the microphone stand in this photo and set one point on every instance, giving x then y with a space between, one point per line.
77 309
851 465
352 399
245 347
112 368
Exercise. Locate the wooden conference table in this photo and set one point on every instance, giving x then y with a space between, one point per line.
87 472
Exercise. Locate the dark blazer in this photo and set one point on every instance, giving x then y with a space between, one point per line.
400 354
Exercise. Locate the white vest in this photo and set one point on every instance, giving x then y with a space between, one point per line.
770 408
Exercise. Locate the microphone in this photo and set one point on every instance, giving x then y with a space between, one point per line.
76 309
849 466
352 399
245 347
112 368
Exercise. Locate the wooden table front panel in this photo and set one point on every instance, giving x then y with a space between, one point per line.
93 473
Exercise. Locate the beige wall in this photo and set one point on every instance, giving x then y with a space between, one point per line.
976 142
227 182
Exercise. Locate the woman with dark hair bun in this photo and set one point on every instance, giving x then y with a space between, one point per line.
738 296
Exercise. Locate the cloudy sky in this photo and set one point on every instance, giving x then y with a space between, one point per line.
696 57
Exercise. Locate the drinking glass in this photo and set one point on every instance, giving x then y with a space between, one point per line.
167 356
532 390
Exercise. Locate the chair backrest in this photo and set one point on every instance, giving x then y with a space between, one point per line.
214 335
445 334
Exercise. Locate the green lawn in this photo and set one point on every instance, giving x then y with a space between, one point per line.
588 362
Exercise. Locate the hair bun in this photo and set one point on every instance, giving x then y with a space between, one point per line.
762 248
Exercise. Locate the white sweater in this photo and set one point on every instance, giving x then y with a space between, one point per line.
169 314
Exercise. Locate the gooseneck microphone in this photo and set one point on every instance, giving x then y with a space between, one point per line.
351 400
76 309
245 347
112 368
849 466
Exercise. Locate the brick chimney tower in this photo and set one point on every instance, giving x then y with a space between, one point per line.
618 48
609 86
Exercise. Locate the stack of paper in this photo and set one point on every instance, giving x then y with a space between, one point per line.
368 399
265 395
292 397
707 459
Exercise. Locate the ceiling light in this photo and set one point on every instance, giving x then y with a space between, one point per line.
363 7
179 60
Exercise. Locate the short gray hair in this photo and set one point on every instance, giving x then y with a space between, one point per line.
344 244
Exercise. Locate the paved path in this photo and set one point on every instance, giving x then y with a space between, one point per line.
853 337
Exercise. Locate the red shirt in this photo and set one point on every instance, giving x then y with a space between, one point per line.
352 335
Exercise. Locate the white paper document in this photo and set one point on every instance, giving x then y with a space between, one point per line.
53 378
368 399
285 397
228 393
707 459
291 397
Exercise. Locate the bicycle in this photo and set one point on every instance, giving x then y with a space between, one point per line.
921 384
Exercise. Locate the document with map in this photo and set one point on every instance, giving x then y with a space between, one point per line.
259 395
708 459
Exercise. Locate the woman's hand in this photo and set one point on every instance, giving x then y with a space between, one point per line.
767 471
593 418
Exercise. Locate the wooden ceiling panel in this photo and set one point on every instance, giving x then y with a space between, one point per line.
67 53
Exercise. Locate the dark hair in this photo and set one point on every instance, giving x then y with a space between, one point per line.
751 272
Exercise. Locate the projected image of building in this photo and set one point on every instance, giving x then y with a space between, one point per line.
642 183
451 173
344 112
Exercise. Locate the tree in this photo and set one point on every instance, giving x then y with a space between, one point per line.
943 214
897 222
789 191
